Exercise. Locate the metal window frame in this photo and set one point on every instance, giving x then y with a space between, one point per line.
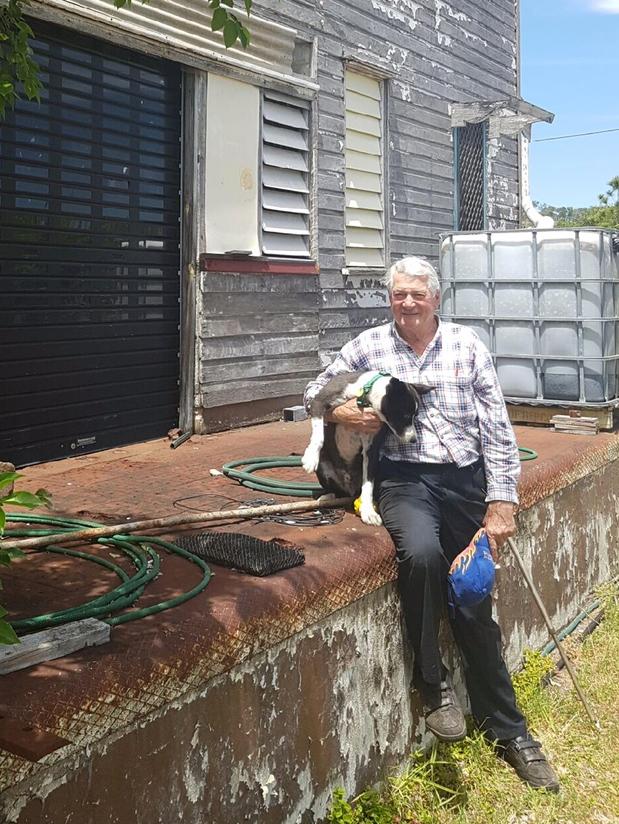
312 198
456 130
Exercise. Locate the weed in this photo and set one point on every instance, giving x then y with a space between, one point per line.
465 783
532 700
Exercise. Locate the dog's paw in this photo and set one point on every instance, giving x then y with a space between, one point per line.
310 459
369 515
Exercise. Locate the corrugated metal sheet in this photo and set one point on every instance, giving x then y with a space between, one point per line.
184 25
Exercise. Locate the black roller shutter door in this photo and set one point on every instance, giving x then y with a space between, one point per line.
89 252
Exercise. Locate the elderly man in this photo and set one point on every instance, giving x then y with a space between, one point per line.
433 496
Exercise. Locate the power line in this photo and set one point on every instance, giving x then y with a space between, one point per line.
580 134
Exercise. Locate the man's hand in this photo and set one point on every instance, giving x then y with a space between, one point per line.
499 524
349 414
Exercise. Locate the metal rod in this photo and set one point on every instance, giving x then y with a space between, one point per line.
553 634
162 524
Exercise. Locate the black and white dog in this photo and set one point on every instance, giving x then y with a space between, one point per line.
345 460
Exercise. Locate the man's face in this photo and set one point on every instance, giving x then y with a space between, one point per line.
412 305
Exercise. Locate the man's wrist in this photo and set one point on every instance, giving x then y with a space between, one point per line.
498 501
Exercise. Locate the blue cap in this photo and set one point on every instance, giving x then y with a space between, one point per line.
471 575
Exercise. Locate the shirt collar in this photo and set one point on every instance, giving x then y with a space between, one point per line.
433 343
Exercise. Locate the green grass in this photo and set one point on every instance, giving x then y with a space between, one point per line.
466 783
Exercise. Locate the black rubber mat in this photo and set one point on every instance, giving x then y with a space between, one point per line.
243 552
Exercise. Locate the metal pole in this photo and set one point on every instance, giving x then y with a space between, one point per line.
162 524
553 634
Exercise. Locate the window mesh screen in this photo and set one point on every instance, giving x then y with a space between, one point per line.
471 141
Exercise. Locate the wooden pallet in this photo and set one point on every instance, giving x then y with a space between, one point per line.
541 415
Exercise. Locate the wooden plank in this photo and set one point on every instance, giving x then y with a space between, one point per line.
53 643
219 304
575 425
261 325
252 346
222 372
541 415
244 391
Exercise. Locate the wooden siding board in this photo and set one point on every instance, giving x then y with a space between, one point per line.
258 389
466 59
224 371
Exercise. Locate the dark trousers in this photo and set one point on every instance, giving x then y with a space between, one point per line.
432 512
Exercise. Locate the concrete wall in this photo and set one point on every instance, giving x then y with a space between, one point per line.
268 741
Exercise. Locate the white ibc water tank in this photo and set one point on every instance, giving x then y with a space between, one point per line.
545 302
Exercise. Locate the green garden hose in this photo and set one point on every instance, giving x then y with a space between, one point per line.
298 489
139 552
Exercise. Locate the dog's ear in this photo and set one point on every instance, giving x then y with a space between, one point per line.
422 388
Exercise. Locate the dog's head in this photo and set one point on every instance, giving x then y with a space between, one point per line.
399 405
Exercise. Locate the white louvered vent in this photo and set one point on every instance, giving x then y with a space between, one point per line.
285 176
365 237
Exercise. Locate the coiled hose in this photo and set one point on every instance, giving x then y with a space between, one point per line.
298 489
137 549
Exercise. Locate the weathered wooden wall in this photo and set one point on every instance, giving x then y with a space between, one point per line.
266 341
436 53
257 341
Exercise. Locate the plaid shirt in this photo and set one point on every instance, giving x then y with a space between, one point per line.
462 418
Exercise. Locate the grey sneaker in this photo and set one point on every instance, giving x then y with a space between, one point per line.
525 755
444 717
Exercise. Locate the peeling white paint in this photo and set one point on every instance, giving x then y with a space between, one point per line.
442 7
470 36
404 11
397 56
369 680
403 90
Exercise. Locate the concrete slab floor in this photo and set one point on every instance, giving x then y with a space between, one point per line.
153 660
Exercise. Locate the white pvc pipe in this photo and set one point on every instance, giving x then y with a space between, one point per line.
538 220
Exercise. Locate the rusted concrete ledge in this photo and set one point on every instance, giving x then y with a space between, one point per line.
253 700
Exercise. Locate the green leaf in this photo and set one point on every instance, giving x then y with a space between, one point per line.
7 634
244 37
2 520
7 555
231 32
44 497
7 478
248 5
220 18
26 499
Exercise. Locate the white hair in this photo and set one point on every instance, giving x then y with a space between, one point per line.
414 267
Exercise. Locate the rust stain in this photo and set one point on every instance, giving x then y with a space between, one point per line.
162 661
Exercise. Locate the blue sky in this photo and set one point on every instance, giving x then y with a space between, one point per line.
570 66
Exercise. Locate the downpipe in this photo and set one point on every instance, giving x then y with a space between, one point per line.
538 220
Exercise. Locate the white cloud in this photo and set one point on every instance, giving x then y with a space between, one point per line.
605 6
